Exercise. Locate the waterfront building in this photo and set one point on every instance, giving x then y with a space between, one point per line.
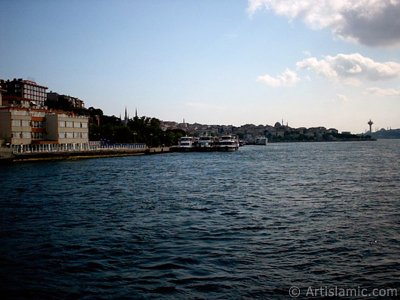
25 120
67 129
23 93
19 125
25 126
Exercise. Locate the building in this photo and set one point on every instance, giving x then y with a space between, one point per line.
67 129
2 91
25 126
58 101
25 120
23 93
20 125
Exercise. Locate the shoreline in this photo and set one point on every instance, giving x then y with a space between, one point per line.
6 156
9 157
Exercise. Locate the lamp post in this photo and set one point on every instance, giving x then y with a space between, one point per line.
134 137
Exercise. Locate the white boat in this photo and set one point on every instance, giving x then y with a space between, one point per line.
228 143
186 143
205 143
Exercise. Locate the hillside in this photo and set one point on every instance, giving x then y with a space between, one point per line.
386 134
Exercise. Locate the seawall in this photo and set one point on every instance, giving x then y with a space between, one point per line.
8 156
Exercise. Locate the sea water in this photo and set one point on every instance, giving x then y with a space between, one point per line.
256 223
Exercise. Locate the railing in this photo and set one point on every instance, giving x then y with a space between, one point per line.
46 148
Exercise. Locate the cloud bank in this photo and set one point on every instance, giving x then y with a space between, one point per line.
369 22
383 92
351 68
287 78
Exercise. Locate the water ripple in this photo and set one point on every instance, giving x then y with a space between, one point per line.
244 225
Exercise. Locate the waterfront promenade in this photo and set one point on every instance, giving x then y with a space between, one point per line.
17 153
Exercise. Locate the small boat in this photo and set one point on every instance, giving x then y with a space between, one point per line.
228 143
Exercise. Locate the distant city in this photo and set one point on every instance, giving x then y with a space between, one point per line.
279 132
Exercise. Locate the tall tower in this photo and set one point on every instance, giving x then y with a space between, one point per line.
370 125
126 116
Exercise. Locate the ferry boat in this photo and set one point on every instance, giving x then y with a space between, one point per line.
228 143
186 143
205 143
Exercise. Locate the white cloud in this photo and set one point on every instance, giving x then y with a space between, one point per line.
383 92
341 98
287 78
368 22
351 68
254 5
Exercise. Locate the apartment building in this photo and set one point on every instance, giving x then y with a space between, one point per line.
24 119
59 101
24 126
23 93
67 129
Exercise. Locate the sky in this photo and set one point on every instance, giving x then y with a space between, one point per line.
330 63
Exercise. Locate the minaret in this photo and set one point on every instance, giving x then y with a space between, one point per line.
136 113
126 116
370 125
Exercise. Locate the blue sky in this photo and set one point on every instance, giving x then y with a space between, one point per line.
329 63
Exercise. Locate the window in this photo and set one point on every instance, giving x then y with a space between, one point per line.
16 123
37 135
38 124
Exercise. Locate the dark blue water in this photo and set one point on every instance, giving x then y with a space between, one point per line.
241 225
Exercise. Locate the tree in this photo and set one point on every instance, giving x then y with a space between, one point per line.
137 130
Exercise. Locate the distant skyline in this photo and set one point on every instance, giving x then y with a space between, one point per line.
331 63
